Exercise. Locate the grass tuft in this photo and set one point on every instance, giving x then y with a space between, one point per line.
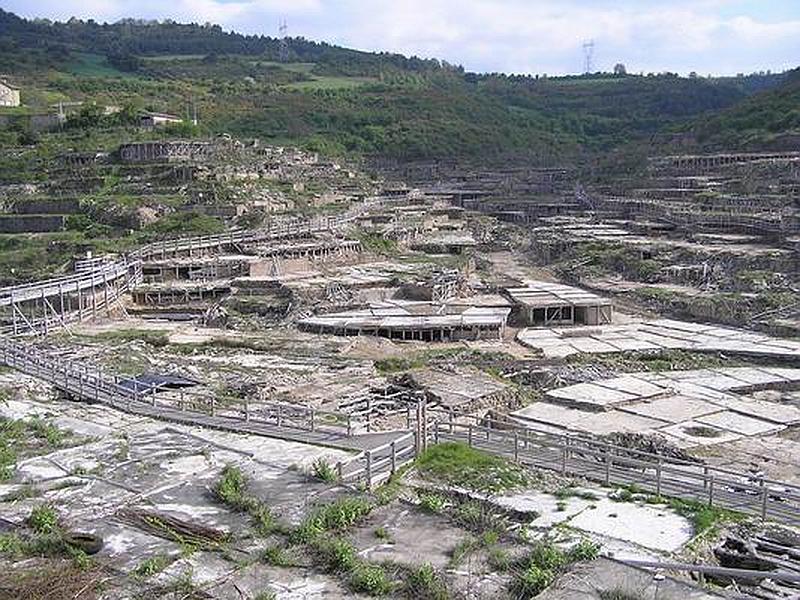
457 464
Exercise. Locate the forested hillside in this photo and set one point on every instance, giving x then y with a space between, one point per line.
344 101
770 119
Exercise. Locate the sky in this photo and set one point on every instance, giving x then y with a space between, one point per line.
720 37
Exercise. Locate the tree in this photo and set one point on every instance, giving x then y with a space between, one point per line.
619 69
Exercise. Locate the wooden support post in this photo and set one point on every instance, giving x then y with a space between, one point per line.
369 470
105 293
516 446
764 500
711 490
80 301
94 299
469 435
394 456
349 424
608 465
658 476
564 453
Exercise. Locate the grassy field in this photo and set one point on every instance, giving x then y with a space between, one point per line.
93 65
330 83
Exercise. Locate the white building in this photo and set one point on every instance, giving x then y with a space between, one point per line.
153 119
9 95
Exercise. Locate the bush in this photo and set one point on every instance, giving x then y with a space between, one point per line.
276 556
231 490
370 579
335 516
152 565
323 470
43 519
458 464
531 582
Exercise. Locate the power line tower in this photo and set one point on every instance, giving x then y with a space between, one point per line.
588 56
283 48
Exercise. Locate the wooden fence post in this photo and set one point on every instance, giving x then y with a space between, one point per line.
658 476
516 446
564 453
764 500
469 435
711 491
608 464
369 470
394 456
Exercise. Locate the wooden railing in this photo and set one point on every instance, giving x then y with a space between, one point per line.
610 465
374 466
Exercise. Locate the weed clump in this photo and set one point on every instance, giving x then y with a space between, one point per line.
323 470
536 572
424 583
334 517
458 464
231 490
152 565
43 519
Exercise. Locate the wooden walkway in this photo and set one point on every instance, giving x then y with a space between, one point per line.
610 465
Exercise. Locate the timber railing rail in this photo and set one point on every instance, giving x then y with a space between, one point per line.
86 382
376 465
649 473
567 454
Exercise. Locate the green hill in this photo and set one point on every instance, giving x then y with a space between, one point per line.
770 119
344 101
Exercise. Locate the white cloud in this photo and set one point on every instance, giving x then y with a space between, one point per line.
507 35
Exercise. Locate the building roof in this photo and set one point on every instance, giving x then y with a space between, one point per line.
158 115
412 315
541 294
5 83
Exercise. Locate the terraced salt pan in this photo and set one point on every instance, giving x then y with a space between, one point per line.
679 404
632 528
654 335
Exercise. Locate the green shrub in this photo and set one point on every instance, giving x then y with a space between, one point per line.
336 516
231 490
370 579
338 553
276 555
584 550
531 582
152 565
424 583
457 464
432 502
43 519
323 470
